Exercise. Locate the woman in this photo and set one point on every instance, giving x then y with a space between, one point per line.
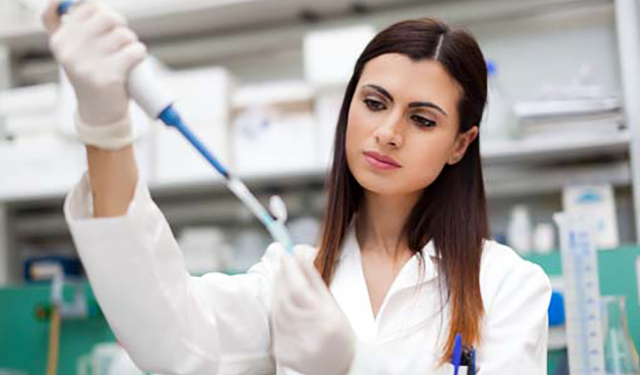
403 265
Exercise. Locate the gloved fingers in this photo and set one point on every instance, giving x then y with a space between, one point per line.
66 49
293 324
294 284
73 33
116 39
291 271
285 320
128 57
323 298
81 12
306 252
288 309
311 274
52 20
290 349
87 21
103 20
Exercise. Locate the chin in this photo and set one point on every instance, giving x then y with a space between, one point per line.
382 184
396 184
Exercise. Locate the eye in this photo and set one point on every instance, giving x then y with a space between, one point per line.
422 121
374 105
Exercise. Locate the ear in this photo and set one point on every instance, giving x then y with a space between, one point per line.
462 142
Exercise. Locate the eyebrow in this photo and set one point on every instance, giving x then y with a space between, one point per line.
386 94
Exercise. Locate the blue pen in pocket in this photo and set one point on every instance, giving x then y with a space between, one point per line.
472 365
463 356
456 357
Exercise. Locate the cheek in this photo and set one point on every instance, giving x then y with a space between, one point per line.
425 160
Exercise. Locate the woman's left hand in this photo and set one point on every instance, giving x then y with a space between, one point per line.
311 334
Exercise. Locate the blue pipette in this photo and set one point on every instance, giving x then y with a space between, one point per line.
146 91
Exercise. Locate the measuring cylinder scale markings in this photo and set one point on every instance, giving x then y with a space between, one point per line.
582 294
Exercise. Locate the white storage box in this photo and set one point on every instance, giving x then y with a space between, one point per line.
330 55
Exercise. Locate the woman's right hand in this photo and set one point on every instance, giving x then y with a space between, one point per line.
97 51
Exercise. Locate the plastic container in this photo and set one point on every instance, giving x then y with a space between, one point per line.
620 355
519 230
499 120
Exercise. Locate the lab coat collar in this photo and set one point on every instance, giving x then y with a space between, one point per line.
430 250
350 289
410 274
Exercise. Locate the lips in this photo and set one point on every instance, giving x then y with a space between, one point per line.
383 159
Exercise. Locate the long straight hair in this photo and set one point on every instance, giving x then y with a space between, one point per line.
451 211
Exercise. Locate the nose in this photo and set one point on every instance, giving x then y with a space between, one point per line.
389 133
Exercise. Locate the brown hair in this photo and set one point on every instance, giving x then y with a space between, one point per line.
452 210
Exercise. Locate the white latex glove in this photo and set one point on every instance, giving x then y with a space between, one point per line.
97 51
311 334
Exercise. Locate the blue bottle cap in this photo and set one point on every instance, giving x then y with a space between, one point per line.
556 311
492 69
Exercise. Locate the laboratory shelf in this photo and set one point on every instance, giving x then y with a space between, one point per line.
562 146
189 202
186 33
208 200
174 19
517 180
196 17
516 153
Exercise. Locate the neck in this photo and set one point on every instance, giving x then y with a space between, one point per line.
380 222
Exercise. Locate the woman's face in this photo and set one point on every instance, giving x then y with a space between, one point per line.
405 112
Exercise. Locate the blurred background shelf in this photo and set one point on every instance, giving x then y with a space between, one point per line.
192 32
563 146
516 161
183 18
520 181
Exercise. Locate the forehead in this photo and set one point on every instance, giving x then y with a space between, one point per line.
407 80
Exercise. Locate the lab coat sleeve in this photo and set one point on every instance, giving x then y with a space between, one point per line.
168 321
516 294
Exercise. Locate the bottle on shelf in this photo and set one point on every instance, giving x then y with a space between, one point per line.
519 230
620 355
499 120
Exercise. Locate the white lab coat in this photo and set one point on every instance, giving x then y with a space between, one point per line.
173 323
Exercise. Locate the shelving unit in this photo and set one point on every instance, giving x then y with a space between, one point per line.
192 33
563 147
